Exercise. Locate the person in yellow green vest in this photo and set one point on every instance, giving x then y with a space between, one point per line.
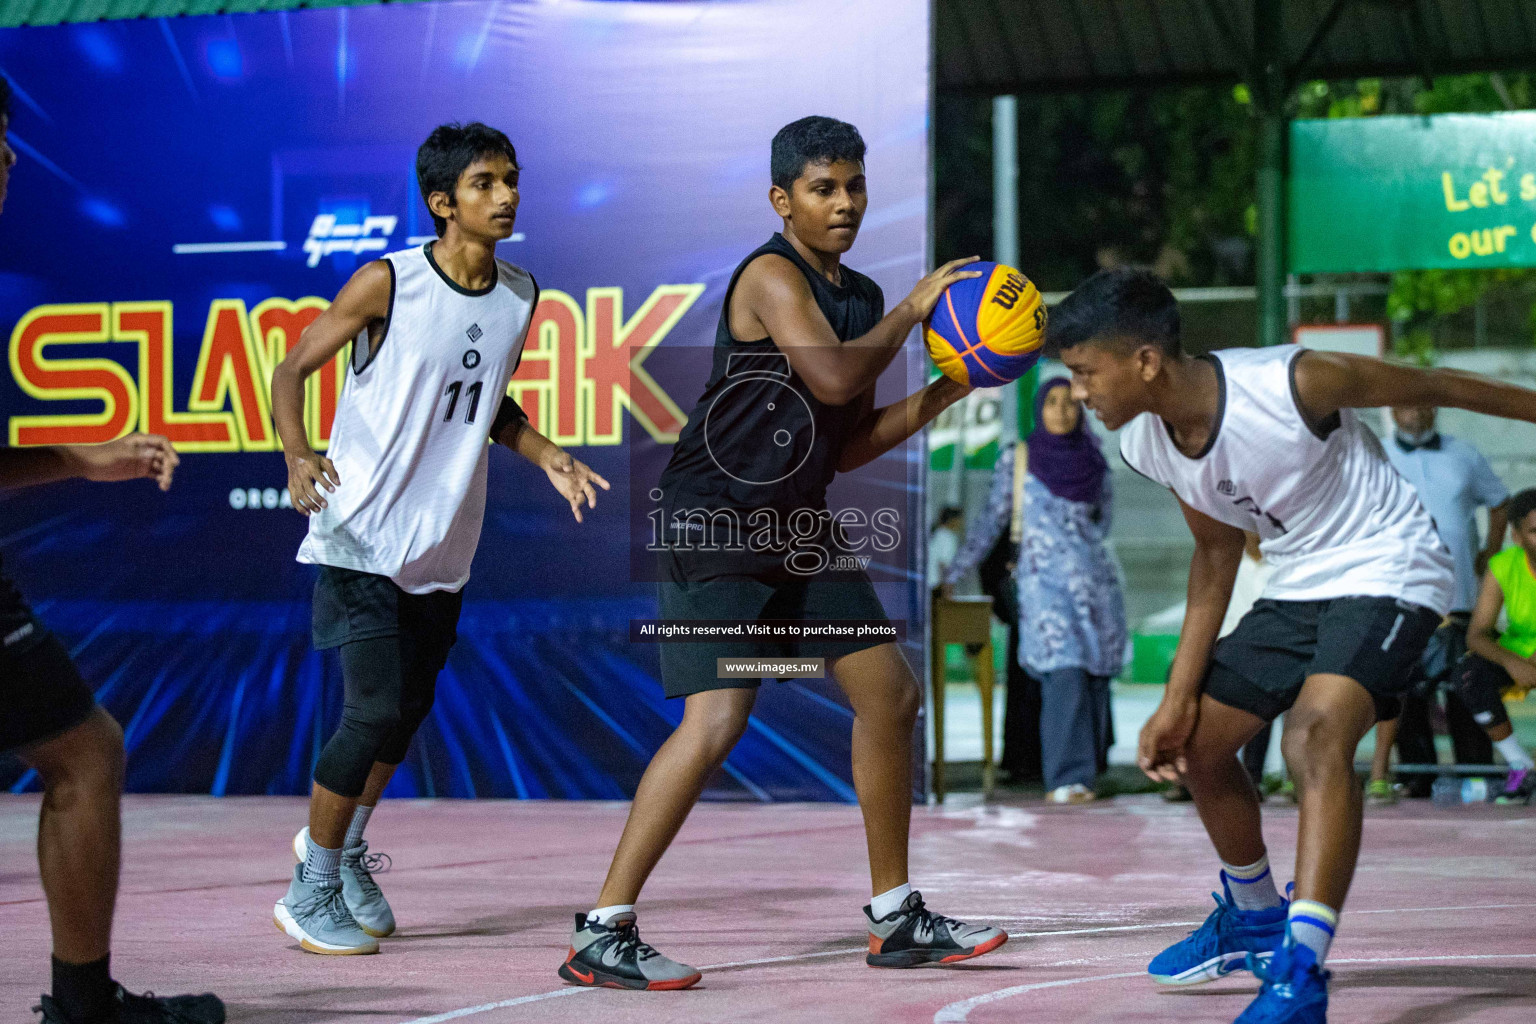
1497 661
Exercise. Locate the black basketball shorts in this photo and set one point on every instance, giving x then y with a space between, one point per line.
42 694
691 667
350 605
1377 641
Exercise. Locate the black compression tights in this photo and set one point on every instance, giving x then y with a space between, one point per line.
389 690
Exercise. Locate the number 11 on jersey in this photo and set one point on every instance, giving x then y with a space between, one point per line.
471 395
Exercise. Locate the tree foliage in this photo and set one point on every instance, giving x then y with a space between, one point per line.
1162 178
1166 178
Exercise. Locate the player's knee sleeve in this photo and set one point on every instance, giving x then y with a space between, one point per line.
1480 684
348 757
415 705
395 745
370 718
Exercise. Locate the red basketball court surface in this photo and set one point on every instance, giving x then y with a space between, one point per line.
1440 928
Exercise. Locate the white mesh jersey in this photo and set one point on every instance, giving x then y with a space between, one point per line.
1333 517
409 441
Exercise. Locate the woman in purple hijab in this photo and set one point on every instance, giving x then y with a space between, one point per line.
1072 631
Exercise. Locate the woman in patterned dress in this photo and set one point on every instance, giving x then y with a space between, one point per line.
1072 631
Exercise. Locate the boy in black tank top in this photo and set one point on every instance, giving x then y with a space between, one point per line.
789 404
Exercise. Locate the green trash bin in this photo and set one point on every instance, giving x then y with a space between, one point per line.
1152 656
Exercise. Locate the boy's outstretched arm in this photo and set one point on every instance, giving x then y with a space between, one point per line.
362 301
880 430
778 298
1329 381
1212 570
128 458
570 476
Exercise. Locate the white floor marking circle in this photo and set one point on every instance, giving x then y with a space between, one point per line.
486 1007
571 990
959 1012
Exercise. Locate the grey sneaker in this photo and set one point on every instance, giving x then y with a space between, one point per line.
364 897
316 914
612 956
913 935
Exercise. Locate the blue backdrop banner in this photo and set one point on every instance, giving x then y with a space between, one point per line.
191 192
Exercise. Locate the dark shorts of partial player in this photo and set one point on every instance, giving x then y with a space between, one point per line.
1377 641
1480 684
41 692
692 667
350 605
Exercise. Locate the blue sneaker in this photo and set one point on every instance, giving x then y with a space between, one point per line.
1295 989
1222 944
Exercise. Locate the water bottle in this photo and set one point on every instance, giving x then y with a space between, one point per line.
1474 790
1446 790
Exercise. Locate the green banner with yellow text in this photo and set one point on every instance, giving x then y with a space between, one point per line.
1400 193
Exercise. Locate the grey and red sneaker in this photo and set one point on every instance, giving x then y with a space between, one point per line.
913 935
612 956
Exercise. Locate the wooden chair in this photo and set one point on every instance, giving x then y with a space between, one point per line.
962 620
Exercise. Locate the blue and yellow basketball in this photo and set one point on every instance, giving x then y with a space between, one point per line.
986 331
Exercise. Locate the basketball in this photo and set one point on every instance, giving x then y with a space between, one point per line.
986 331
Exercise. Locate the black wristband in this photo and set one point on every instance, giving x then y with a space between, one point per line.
508 413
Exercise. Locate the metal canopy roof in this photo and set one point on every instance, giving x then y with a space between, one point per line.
1001 46
1006 46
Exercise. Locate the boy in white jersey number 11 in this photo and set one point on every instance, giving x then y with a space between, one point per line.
395 511
1267 440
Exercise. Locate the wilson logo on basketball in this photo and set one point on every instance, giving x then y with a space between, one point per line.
1010 291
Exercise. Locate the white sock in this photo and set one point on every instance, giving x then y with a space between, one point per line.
355 830
1312 924
1252 885
1514 754
605 915
320 864
889 901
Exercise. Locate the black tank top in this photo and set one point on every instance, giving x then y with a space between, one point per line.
758 438
19 631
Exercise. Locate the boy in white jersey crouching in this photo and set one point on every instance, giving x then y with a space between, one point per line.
1267 440
395 511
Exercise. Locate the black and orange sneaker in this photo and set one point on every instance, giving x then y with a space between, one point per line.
913 935
612 956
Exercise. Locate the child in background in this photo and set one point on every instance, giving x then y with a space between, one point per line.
1501 661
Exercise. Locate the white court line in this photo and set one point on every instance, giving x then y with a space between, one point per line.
959 1012
1107 928
1191 924
785 959
573 990
956 1013
1448 956
1424 910
451 1014
197 248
